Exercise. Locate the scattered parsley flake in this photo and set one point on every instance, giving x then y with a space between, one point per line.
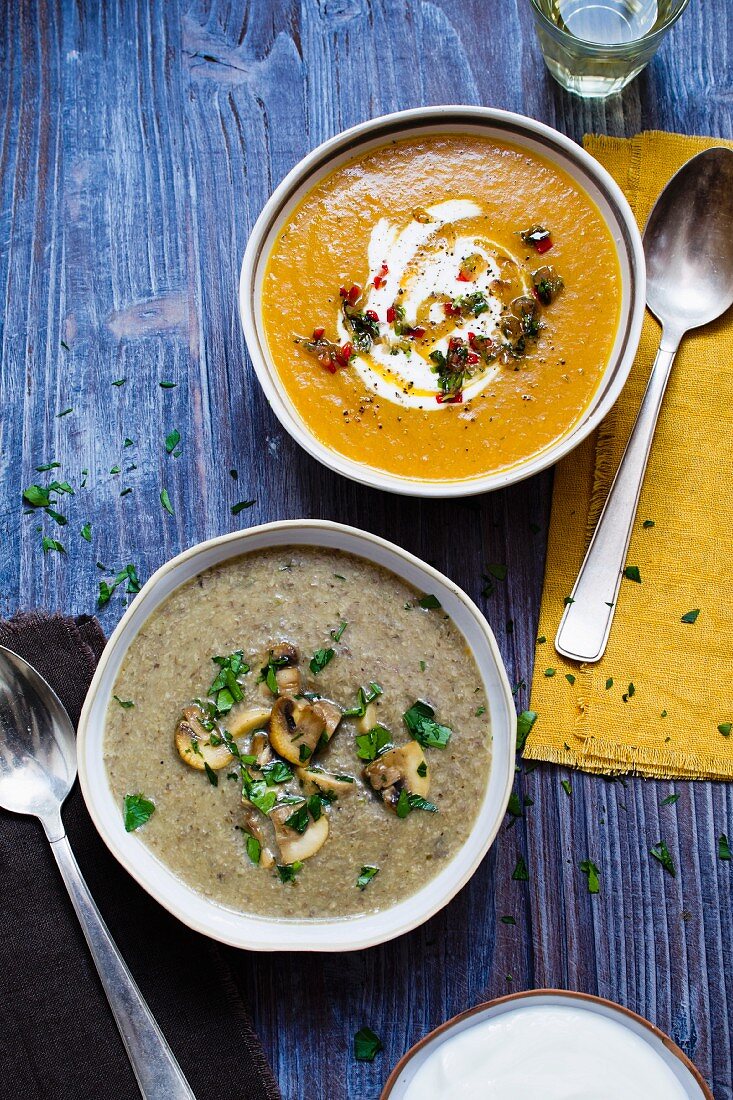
165 500
541 640
669 800
64 412
660 852
690 616
172 440
338 633
167 385
366 875
366 1045
725 728
254 848
550 671
565 784
137 810
631 572
65 346
119 382
372 744
52 544
520 872
422 727
47 466
567 601
320 659
724 851
86 532
126 703
241 505
609 683
570 678
507 920
525 721
211 774
429 602
288 871
589 869
648 523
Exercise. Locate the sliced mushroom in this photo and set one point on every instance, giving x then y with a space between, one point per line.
245 721
293 845
401 768
260 748
253 824
289 680
368 720
295 729
285 652
330 713
193 742
316 779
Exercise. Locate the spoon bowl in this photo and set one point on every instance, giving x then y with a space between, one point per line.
37 771
689 280
37 743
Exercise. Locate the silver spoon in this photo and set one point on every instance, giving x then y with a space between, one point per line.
37 771
688 243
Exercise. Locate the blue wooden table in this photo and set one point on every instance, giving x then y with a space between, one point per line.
138 143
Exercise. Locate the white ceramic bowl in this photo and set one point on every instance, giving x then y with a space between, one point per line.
262 933
669 1053
503 125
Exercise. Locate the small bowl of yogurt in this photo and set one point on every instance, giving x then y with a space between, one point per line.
546 1044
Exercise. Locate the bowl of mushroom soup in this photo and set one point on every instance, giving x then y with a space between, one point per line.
299 736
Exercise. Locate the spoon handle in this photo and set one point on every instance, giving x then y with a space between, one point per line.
156 1069
586 622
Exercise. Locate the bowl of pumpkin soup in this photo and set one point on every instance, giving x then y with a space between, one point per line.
443 301
299 737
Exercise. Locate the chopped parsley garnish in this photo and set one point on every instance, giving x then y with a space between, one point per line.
520 872
407 802
167 385
275 772
631 572
86 532
725 728
609 683
338 633
550 672
37 496
52 544
589 869
172 440
288 871
226 688
565 784
507 920
570 678
479 711
165 500
254 849
514 806
65 412
211 774
669 800
119 382
129 575
138 810
305 753
241 505
429 602
421 724
125 703
256 791
268 673
366 1045
724 851
366 875
422 769
660 852
493 572
364 696
690 616
298 820
525 721
372 744
320 659
648 523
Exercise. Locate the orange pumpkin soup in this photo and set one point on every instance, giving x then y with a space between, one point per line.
442 308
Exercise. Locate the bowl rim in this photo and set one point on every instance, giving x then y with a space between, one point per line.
528 995
250 928
558 148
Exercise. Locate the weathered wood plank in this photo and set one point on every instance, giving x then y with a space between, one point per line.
138 142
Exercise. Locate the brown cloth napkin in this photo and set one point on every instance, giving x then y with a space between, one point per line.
58 1038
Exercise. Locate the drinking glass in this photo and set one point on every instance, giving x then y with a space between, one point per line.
595 47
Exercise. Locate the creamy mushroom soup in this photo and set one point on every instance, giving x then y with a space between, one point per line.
299 733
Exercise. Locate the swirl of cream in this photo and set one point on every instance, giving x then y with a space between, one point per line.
423 261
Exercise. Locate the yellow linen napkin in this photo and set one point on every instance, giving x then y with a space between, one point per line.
675 719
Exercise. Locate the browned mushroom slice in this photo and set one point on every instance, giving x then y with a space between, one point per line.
401 768
330 713
296 845
253 824
246 719
284 657
316 779
295 729
260 748
285 653
193 742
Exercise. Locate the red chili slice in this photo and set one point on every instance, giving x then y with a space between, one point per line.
319 333
391 314
449 399
463 276
544 245
450 310
354 293
378 280
345 353
418 332
372 315
472 357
